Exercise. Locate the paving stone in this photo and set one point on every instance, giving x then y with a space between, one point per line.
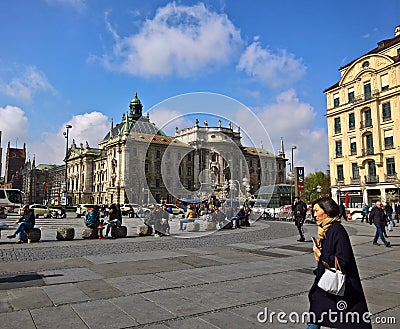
103 314
65 294
69 275
17 319
99 289
192 323
142 310
22 299
57 317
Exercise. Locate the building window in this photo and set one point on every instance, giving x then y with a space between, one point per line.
189 157
355 170
365 64
367 119
386 111
340 175
398 51
388 139
353 146
251 164
352 121
158 154
214 157
146 167
369 144
350 94
157 183
336 102
337 126
189 171
385 82
390 167
158 169
179 155
338 149
367 90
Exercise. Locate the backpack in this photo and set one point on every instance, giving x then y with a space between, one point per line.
92 219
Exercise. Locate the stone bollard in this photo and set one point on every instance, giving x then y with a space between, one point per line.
144 230
119 232
33 235
65 233
193 227
90 233
210 226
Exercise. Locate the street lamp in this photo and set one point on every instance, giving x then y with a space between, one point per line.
148 194
291 182
66 134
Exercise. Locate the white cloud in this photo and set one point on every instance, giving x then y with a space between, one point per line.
90 127
294 121
274 69
14 128
181 40
78 5
167 120
30 82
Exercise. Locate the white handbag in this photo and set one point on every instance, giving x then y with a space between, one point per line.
333 280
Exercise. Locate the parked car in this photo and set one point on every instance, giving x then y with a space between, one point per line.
138 209
38 210
81 209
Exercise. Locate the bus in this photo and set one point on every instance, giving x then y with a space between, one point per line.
11 199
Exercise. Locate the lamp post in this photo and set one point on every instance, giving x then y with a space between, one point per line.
292 181
66 134
148 194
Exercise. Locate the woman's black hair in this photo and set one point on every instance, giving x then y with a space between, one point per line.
328 205
113 207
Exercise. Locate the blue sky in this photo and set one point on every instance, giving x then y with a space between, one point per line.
81 62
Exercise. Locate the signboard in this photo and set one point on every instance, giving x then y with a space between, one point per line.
64 199
299 179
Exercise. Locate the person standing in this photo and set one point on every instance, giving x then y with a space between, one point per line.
342 212
25 222
378 217
389 213
334 242
365 211
397 211
299 209
114 218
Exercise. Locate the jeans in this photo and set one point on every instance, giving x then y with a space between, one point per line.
184 221
379 233
313 326
22 227
390 218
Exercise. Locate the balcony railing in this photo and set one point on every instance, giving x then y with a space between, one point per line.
355 180
339 155
368 151
371 179
392 178
366 123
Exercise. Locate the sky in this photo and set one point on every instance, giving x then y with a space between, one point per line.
260 64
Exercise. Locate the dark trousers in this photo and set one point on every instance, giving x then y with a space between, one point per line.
299 225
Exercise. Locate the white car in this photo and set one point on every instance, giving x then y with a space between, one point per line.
38 210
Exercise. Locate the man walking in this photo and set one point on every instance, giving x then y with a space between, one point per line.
299 209
378 217
365 210
389 213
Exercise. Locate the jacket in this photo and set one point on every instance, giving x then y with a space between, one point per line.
28 217
337 243
377 216
299 210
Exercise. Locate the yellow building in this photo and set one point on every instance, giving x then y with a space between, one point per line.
363 116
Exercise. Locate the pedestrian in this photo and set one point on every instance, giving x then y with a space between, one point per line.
114 218
378 217
397 211
365 211
158 219
25 222
342 212
389 213
333 242
299 209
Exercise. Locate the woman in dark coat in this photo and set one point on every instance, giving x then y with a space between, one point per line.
349 311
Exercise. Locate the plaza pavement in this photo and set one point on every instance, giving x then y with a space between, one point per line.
220 280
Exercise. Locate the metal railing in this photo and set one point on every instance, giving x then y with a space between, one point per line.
370 179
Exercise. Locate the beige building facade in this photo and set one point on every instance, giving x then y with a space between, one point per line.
137 163
363 117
